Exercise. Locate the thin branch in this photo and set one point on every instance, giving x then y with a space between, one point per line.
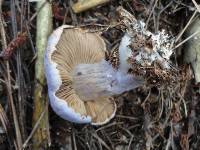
8 85
189 22
184 41
35 127
196 5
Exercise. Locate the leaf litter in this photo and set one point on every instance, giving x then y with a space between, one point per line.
163 114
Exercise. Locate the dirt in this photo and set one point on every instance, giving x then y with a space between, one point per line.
153 117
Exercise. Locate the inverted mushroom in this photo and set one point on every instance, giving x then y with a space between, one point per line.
80 82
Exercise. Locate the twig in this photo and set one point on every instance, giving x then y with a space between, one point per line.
162 99
108 138
35 127
8 85
100 140
189 22
127 117
3 37
146 99
6 125
196 5
129 144
74 140
17 129
83 5
109 125
35 14
73 16
188 38
147 22
160 12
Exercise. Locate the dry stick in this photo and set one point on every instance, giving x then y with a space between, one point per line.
19 77
17 129
188 38
196 5
129 144
189 22
6 125
44 28
3 37
127 117
35 14
160 12
73 15
8 85
104 133
162 105
109 125
130 134
83 5
74 140
35 127
147 22
3 119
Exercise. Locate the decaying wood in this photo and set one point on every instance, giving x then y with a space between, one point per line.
44 27
83 5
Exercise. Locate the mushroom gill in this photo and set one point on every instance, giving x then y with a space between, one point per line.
76 47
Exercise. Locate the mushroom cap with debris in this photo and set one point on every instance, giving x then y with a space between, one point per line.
68 47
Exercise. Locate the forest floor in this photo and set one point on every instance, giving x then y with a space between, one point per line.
150 117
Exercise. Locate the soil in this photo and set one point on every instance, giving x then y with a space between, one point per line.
160 116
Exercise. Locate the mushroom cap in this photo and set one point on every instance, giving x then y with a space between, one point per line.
68 47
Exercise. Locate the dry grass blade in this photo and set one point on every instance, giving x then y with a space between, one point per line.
152 9
12 106
6 126
185 40
196 5
3 119
16 43
101 141
186 26
74 141
35 128
8 86
41 138
127 117
3 37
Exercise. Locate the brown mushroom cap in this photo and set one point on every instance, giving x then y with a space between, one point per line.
75 47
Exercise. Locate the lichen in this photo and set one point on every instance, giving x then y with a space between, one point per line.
147 47
154 48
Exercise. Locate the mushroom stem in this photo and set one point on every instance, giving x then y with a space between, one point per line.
100 80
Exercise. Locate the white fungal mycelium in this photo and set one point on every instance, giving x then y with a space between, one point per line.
161 46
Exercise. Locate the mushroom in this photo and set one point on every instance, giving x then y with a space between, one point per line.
80 82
